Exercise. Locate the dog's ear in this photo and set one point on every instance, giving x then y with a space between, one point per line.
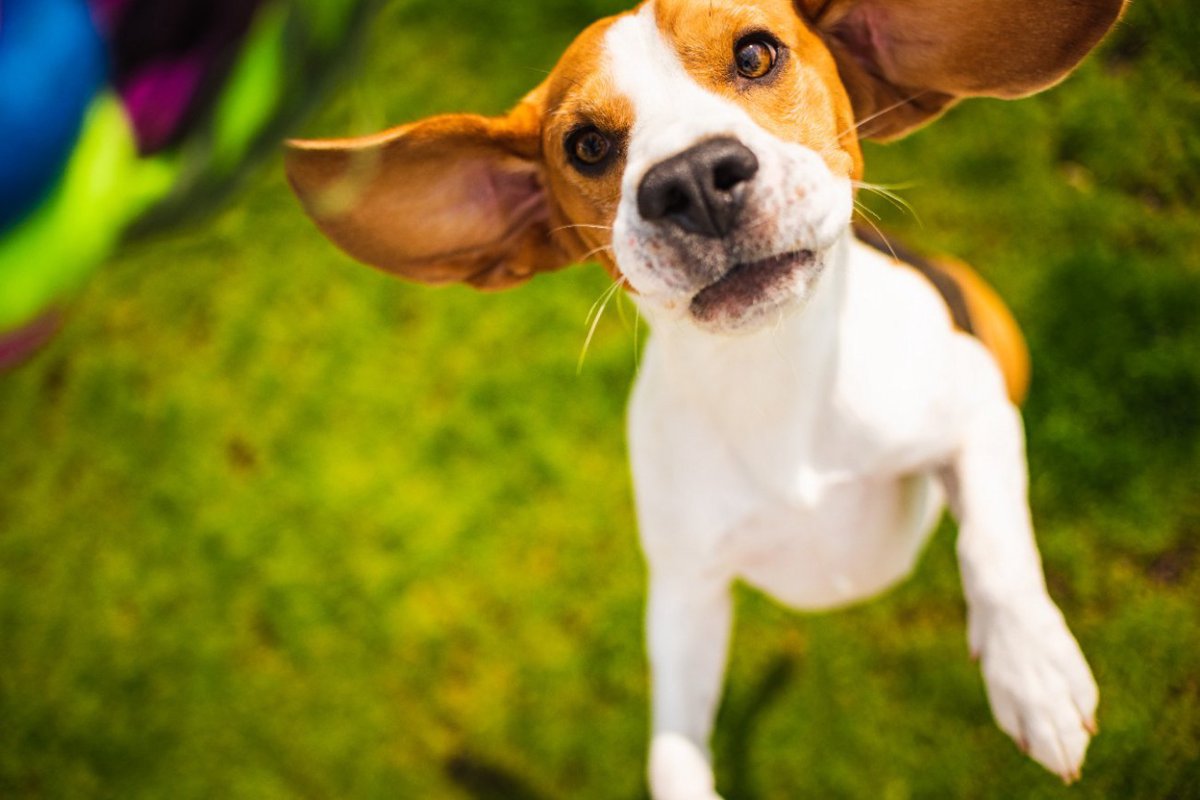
906 61
453 198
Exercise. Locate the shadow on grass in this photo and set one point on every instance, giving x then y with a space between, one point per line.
738 723
488 781
485 780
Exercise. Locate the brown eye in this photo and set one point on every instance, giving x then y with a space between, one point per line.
755 57
588 147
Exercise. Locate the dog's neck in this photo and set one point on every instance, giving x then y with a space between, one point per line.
764 394
771 364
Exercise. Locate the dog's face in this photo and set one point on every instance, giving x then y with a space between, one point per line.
712 146
735 174
705 151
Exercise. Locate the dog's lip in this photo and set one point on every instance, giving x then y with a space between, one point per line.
747 281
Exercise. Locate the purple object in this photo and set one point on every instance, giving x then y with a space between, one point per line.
169 58
159 98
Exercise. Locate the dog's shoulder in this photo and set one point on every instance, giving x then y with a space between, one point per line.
974 307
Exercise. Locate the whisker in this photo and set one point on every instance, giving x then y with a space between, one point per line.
593 252
869 118
895 199
637 318
581 225
627 306
602 303
863 208
884 238
621 313
895 187
603 298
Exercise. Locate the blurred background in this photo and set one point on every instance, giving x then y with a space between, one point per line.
275 525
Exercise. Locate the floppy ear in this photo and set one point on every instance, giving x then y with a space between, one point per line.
452 198
906 61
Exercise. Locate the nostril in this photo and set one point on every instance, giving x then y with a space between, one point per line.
725 177
734 168
674 201
661 195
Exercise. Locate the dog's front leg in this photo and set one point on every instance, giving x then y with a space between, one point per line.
1038 683
688 623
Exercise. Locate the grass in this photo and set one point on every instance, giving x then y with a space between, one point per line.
274 525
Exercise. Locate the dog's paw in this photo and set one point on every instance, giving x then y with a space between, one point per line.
679 770
1040 688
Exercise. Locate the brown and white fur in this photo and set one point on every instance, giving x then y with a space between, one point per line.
805 406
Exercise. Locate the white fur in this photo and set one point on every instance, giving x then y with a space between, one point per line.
811 455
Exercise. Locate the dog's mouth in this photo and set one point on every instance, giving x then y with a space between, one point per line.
746 284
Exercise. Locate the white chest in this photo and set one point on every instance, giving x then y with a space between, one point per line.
798 457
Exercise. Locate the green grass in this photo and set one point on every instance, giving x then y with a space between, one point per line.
274 525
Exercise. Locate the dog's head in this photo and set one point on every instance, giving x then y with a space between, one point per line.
705 151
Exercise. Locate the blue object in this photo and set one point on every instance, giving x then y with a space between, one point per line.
52 62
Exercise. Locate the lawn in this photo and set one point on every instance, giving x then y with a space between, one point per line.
273 525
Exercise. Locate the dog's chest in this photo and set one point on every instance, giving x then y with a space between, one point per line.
786 507
861 385
806 448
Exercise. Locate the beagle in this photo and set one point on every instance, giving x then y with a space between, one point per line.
806 405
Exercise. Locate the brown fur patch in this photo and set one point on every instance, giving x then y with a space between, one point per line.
802 101
904 62
451 198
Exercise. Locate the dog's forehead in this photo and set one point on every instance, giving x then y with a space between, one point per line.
686 22
664 47
654 51
645 66
673 61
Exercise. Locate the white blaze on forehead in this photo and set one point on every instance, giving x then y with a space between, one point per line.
644 65
672 111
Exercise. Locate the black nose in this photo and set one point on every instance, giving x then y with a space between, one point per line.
699 190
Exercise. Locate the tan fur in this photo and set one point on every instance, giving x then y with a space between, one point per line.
995 326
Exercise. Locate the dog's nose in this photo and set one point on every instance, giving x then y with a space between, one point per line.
701 189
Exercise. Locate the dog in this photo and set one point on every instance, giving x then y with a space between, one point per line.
807 404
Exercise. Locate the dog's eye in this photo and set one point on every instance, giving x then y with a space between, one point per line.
755 56
588 147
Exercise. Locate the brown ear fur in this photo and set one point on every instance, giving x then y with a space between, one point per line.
906 61
452 198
